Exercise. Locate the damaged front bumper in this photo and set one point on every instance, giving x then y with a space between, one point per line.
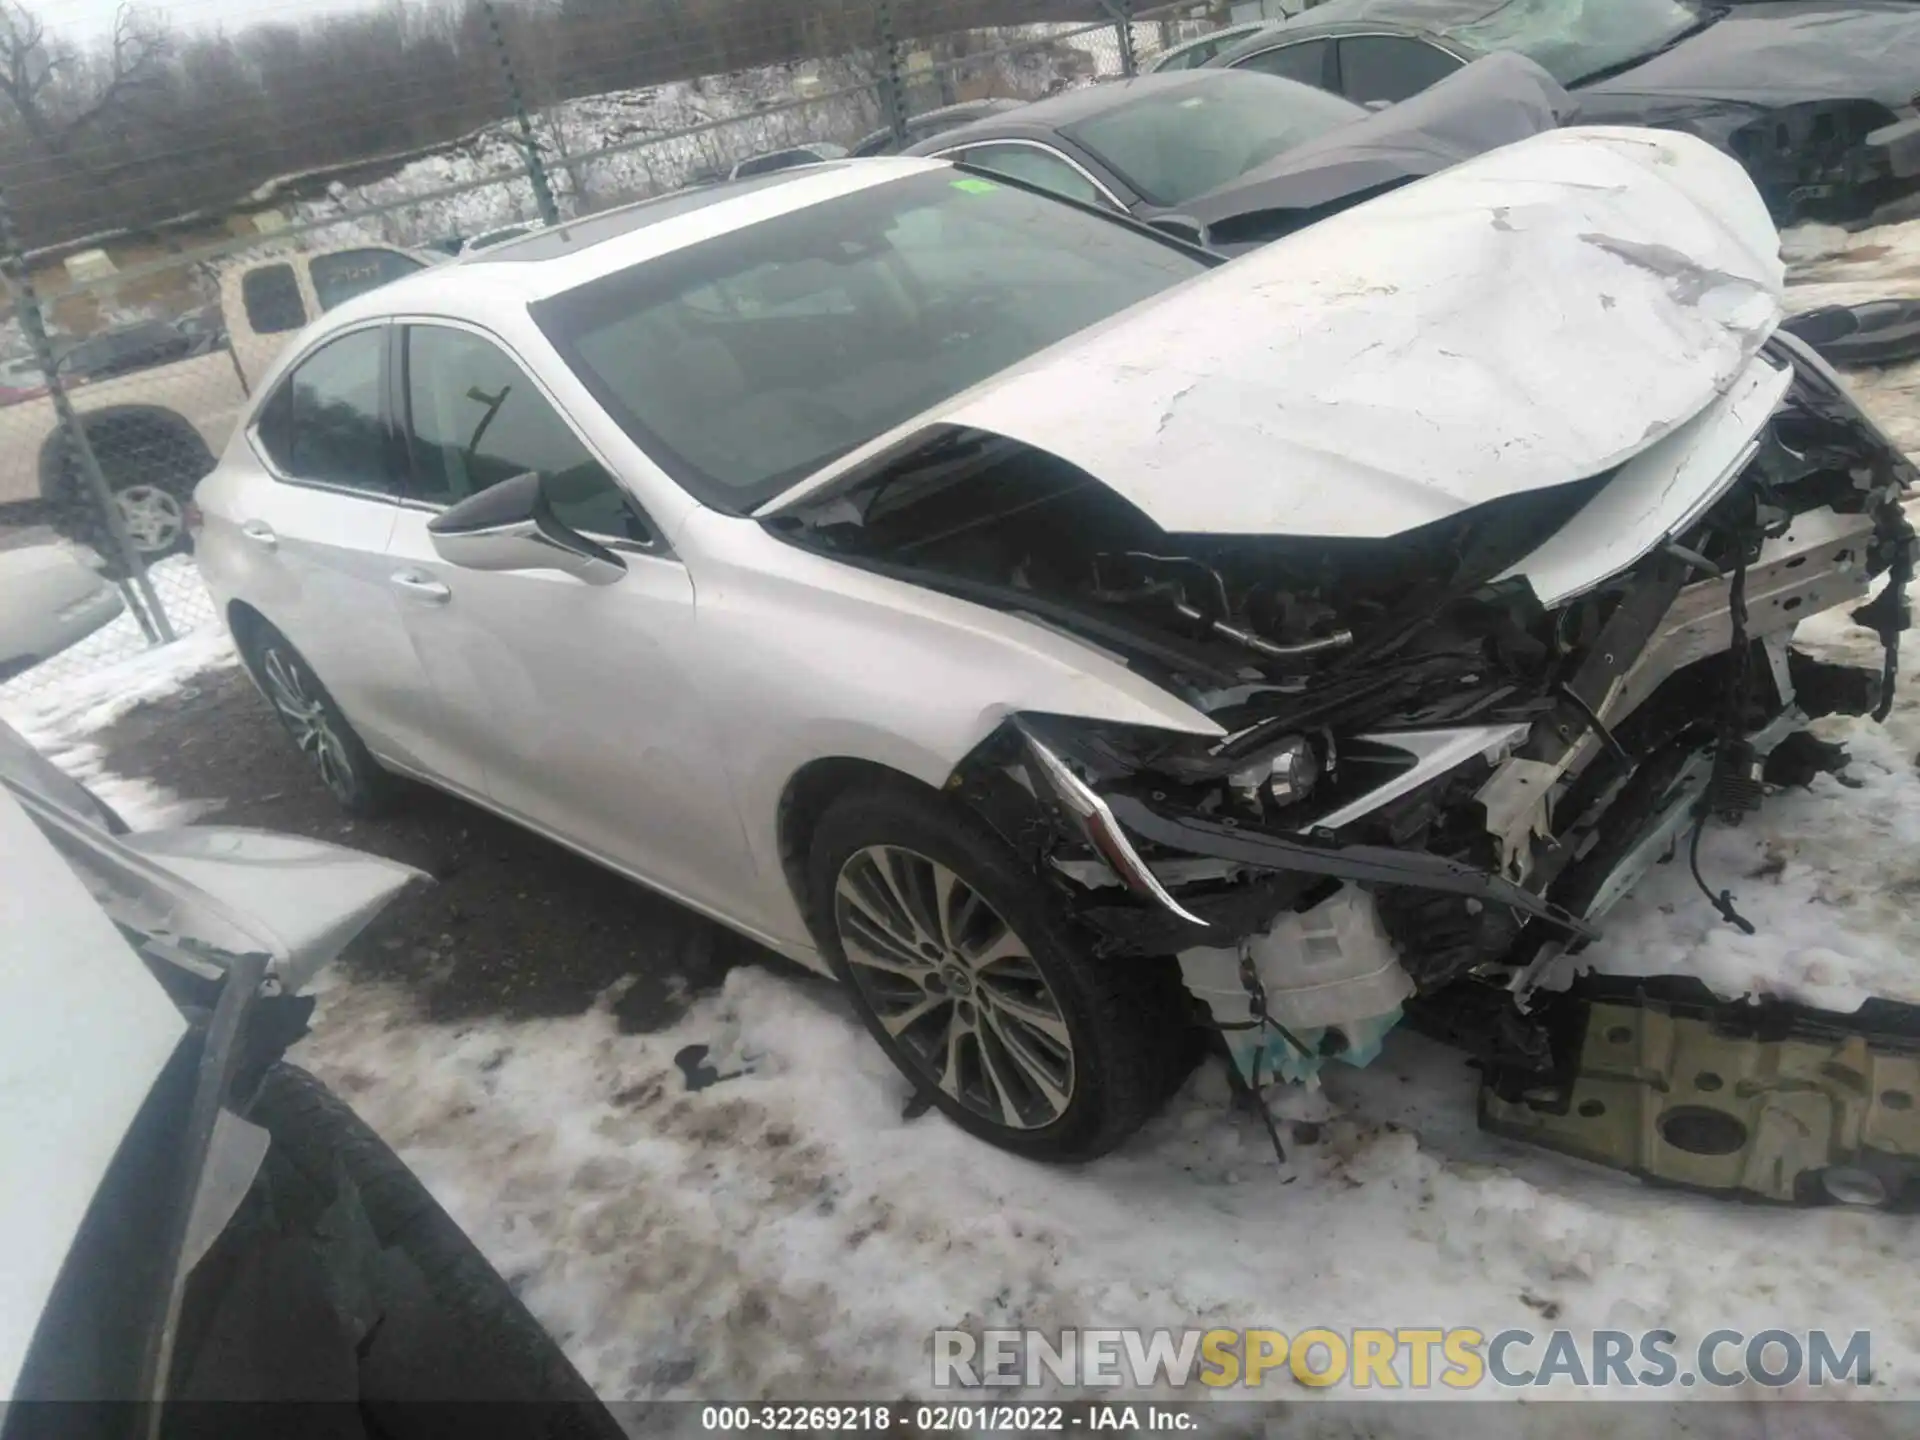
1448 885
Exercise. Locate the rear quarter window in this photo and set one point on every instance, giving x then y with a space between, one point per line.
271 294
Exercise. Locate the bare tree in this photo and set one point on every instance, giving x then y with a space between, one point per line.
40 80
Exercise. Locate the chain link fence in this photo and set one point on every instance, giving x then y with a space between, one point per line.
177 204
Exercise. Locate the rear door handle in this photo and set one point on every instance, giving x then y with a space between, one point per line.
422 587
261 534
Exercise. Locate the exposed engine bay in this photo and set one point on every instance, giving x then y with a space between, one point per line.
1430 784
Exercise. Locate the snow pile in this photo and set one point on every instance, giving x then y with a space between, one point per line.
786 1234
59 719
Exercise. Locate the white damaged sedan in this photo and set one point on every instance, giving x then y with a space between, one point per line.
1067 639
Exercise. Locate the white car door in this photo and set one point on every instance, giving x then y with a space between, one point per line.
575 701
311 521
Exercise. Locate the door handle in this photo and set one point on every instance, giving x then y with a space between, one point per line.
261 534
422 587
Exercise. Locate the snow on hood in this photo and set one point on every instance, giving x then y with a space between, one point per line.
1785 54
1493 102
1530 318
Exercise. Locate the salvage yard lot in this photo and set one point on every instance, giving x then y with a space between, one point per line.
758 1218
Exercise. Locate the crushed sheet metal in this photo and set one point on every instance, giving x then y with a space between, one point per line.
1495 101
1825 50
1530 318
1659 493
1671 1096
309 896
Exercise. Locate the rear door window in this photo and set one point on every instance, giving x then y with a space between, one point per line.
271 294
327 424
1044 168
1309 62
1390 67
342 276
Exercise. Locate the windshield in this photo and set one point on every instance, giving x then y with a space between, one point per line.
743 364
1172 144
1575 39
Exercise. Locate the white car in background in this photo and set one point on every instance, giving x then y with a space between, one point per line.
53 594
1063 636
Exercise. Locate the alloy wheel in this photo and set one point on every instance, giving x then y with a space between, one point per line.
953 985
154 518
289 689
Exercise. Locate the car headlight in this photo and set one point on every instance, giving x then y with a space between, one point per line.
1286 775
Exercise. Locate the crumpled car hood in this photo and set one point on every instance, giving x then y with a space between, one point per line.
1533 317
1493 102
1785 54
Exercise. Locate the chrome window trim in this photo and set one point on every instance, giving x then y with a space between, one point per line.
1045 149
1334 36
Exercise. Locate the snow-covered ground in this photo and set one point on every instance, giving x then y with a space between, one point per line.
786 1233
188 608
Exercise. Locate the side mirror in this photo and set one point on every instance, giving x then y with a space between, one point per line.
1181 227
510 526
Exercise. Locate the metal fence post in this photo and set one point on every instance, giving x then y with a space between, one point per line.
146 607
536 166
893 91
1122 12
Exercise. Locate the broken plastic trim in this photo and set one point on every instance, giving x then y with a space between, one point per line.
1102 831
1416 869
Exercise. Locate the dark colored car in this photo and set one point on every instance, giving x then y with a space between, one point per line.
125 350
1232 158
929 123
1815 97
817 153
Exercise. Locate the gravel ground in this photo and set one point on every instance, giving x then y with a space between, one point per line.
515 927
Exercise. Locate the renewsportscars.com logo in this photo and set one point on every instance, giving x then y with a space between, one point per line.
1372 1360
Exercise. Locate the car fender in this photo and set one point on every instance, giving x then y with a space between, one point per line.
806 658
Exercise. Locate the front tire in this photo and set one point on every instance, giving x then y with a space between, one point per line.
974 982
308 714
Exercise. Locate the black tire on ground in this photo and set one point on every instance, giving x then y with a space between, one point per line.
1129 1020
151 461
494 1336
308 714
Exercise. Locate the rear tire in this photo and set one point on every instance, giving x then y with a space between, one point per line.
976 984
308 714
151 464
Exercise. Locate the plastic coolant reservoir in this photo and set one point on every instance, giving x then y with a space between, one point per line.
1331 978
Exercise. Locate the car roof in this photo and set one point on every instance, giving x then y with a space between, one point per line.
564 257
1073 107
1335 16
945 118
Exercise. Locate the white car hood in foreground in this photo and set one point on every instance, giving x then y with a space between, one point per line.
84 1032
1530 318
